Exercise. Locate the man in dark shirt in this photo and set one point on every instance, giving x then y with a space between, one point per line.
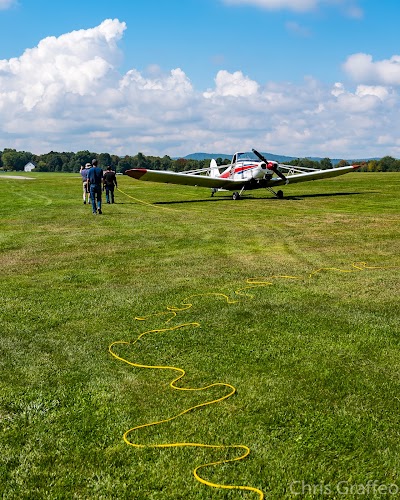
109 181
95 177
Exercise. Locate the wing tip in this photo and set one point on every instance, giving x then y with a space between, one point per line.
136 173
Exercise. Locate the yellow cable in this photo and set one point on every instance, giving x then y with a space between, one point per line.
173 311
260 282
357 266
173 385
144 202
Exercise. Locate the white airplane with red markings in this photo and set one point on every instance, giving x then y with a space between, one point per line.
247 171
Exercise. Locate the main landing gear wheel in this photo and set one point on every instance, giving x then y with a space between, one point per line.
279 194
236 196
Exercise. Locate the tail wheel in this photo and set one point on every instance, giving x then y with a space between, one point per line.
279 194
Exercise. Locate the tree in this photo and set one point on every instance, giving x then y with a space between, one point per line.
83 157
15 160
157 164
141 161
105 161
372 166
126 163
41 166
55 162
306 162
325 163
166 163
180 164
387 163
115 162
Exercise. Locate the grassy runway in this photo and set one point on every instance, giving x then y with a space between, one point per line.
294 302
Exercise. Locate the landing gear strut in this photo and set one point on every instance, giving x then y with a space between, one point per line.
278 194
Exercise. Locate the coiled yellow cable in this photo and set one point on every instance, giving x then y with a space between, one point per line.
172 311
172 384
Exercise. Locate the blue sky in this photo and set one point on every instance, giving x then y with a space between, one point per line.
294 77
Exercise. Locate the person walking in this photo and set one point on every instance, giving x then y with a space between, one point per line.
109 181
85 185
95 177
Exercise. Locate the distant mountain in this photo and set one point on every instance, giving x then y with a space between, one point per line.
207 156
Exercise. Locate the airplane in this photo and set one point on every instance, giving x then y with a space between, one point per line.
247 171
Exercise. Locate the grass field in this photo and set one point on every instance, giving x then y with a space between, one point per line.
281 308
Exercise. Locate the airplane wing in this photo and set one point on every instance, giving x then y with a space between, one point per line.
296 175
169 177
293 176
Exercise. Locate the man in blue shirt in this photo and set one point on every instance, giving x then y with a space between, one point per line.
95 177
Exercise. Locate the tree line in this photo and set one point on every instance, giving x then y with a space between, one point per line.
10 159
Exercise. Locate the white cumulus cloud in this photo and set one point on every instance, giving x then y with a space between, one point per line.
68 94
232 84
361 68
73 64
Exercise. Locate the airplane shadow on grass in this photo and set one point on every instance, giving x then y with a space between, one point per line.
250 198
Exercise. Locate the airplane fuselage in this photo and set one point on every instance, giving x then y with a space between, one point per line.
245 171
249 171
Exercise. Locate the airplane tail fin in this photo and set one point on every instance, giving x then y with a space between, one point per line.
214 170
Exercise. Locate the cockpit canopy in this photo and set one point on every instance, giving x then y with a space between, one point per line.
246 156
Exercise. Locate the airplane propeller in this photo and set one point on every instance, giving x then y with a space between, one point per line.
270 165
